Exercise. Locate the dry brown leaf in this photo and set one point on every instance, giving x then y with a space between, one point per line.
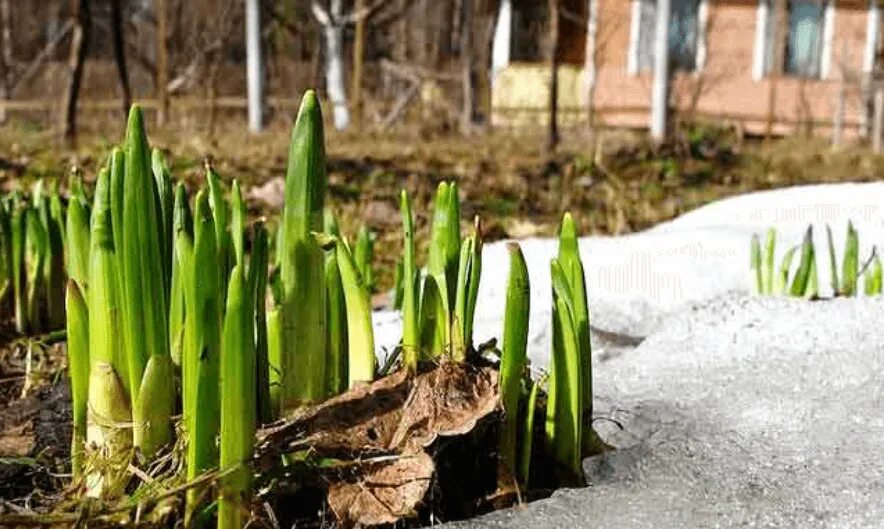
385 431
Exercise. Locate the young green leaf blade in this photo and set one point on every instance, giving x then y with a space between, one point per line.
813 282
274 360
410 314
782 281
433 318
337 342
397 285
526 451
238 404
514 357
54 272
103 296
38 251
453 235
566 442
237 223
303 261
361 358
182 226
474 279
850 265
330 223
221 213
802 275
77 241
202 353
872 279
165 211
755 264
833 265
5 252
459 319
117 176
442 268
572 266
363 255
257 282
78 369
18 225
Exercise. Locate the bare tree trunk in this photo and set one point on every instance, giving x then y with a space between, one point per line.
425 33
316 73
333 31
777 68
483 72
82 20
162 61
592 65
468 81
501 47
838 122
400 44
5 56
457 15
553 138
120 53
878 120
440 29
660 89
254 67
212 92
334 75
840 104
358 55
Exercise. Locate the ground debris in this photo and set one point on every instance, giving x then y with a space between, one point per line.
386 434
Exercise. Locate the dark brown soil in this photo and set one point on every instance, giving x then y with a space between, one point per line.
35 423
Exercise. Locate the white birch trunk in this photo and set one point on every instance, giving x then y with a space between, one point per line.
254 70
333 31
334 76
660 89
500 47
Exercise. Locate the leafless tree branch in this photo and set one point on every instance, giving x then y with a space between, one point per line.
34 67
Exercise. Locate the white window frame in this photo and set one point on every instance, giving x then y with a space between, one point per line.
763 13
635 29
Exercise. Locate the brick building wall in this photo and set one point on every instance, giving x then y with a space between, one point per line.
724 87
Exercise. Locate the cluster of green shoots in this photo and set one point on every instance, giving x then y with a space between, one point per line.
567 428
804 280
163 317
32 262
181 306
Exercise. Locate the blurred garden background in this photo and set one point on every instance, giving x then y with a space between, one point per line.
533 106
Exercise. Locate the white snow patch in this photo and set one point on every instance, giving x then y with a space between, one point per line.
634 281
